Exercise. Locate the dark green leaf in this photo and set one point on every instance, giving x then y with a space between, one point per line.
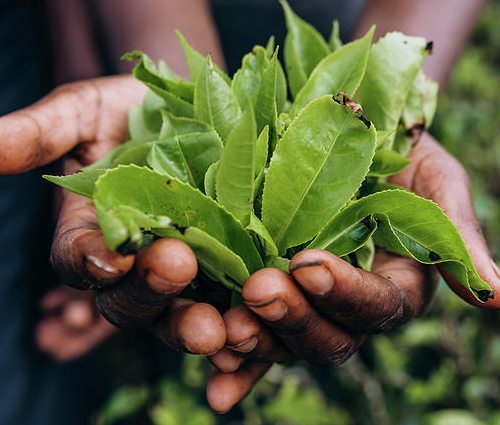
407 225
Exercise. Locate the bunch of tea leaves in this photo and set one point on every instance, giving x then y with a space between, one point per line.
247 177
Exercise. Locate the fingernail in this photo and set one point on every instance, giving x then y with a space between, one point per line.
272 310
99 268
314 276
496 269
163 286
245 346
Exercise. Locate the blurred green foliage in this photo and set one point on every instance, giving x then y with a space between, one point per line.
443 369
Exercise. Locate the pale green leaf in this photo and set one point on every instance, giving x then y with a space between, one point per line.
393 64
334 41
421 102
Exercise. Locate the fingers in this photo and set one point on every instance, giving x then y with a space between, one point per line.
247 336
397 290
276 299
163 269
79 253
224 390
436 175
90 113
185 325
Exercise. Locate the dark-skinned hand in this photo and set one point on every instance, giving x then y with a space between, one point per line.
321 313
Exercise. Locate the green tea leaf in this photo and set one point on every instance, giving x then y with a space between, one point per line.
151 111
215 258
160 195
278 263
186 156
407 225
134 155
421 102
270 47
261 150
383 136
266 112
196 61
304 49
393 64
316 168
211 180
236 174
341 70
386 163
136 128
266 243
81 183
147 72
247 79
365 255
174 126
215 103
334 41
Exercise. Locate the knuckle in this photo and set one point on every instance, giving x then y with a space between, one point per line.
337 354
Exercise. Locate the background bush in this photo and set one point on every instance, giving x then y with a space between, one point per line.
442 369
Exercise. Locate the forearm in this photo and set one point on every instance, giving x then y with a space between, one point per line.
149 26
74 53
447 23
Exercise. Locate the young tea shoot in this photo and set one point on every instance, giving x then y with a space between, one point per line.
247 177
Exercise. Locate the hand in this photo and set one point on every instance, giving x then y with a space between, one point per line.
71 325
321 313
87 119
436 175
325 326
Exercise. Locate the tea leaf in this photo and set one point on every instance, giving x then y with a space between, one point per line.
334 41
393 65
341 70
215 103
386 163
156 194
81 183
407 225
304 49
421 102
236 173
196 61
266 113
316 168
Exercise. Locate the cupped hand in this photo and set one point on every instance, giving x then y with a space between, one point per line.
436 175
322 312
85 120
